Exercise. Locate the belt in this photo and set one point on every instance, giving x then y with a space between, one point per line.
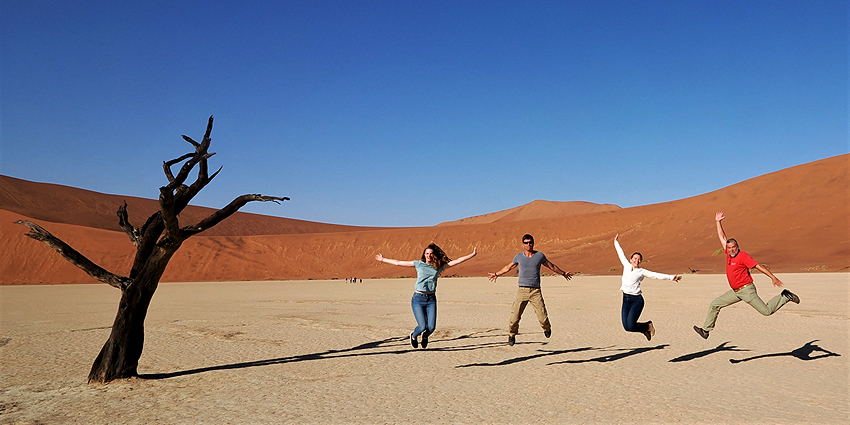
743 286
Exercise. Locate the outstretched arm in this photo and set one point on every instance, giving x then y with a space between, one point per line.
556 269
381 258
776 282
462 259
661 276
622 255
506 269
720 233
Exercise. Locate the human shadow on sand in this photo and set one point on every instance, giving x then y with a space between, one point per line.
389 346
625 352
802 353
698 354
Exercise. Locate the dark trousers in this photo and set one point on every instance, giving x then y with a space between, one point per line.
632 307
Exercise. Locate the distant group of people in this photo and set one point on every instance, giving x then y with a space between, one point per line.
352 280
434 261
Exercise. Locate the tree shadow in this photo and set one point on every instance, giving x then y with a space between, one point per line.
698 354
389 346
625 352
802 353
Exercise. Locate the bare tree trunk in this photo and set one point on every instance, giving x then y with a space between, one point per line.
119 357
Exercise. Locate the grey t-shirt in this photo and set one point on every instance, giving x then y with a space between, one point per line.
529 269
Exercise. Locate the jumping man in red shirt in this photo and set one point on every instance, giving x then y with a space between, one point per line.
738 265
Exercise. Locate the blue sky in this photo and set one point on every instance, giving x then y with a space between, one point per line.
410 113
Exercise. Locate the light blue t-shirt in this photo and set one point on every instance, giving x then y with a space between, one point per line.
529 269
426 276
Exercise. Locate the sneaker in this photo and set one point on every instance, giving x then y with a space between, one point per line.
650 331
413 341
424 341
791 297
548 333
702 332
511 340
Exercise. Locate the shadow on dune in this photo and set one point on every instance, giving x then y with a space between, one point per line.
698 354
802 353
389 346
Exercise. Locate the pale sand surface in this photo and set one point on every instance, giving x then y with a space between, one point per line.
334 352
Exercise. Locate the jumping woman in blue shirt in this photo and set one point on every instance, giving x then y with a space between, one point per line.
424 301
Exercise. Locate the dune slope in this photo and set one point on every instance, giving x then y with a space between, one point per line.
535 210
792 220
63 204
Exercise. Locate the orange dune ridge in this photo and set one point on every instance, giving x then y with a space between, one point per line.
792 220
534 210
63 204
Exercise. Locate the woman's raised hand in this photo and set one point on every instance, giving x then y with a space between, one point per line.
379 257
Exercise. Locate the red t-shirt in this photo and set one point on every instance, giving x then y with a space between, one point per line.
738 269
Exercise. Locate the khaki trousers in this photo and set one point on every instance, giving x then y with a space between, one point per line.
524 296
748 295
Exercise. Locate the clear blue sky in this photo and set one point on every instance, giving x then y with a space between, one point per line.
409 113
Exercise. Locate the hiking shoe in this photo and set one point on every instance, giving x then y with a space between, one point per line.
424 341
413 341
650 331
511 340
702 332
548 333
791 297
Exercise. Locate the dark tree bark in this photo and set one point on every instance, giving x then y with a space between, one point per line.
156 242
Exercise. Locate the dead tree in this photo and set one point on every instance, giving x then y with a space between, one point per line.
156 242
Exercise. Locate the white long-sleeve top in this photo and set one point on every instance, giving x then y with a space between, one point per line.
632 277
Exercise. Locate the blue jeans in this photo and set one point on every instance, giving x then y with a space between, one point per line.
632 307
425 312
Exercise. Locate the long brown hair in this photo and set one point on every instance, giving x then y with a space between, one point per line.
438 258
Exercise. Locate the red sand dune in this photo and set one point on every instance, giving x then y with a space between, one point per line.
793 220
534 210
63 204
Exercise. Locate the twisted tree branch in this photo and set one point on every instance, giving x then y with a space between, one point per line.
192 141
200 156
168 213
124 222
166 165
227 211
74 257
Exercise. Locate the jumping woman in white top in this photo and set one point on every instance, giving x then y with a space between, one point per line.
632 298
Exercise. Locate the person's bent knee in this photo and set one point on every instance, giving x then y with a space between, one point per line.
716 307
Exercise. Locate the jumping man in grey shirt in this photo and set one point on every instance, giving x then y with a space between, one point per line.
529 262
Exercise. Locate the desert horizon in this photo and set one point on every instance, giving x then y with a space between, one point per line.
792 220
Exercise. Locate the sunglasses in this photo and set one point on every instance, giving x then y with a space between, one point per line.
528 242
